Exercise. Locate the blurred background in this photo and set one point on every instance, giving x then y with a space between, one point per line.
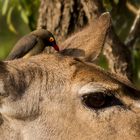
19 17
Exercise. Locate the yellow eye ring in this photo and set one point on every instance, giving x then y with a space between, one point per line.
51 39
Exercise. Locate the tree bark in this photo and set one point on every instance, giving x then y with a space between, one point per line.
64 17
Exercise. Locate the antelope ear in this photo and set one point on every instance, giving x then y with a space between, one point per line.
88 43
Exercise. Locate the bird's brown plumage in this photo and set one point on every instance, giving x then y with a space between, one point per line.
32 44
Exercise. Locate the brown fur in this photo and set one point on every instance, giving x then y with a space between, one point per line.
44 101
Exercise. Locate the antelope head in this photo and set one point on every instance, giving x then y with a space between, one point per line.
65 96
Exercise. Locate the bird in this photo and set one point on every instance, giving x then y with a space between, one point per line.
32 44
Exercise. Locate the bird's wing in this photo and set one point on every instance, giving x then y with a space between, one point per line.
23 46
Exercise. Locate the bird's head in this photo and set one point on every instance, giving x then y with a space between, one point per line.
47 37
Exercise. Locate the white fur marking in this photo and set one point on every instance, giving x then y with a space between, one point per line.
137 104
92 87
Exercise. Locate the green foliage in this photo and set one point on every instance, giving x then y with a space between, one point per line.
109 4
26 8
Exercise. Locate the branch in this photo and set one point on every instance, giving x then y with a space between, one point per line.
118 55
134 31
132 8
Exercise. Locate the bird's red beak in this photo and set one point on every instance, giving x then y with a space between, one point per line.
56 47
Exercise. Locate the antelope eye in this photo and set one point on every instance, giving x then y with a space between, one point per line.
51 39
95 100
100 100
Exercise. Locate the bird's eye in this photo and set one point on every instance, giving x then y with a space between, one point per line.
51 39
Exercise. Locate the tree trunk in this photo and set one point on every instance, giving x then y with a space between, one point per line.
64 17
